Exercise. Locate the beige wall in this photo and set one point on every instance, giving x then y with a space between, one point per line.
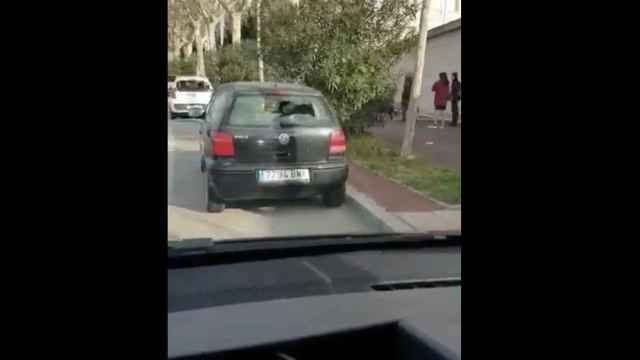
443 11
443 54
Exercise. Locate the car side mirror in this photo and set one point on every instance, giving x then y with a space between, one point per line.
196 112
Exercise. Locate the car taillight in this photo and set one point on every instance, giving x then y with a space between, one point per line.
337 143
223 144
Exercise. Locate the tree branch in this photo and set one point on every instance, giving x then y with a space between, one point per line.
225 5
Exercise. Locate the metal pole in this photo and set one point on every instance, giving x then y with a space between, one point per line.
416 89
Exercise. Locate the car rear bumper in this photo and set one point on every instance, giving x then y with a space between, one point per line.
183 109
241 183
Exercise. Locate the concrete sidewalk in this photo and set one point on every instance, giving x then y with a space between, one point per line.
399 208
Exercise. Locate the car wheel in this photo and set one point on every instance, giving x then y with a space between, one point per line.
334 197
214 205
173 116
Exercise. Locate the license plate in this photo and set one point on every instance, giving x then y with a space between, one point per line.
284 175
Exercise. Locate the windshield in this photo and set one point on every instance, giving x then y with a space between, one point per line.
192 85
308 128
267 110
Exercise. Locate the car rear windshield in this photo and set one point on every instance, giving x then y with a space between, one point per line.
267 110
192 85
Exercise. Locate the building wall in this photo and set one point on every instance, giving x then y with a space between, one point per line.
443 55
440 12
443 11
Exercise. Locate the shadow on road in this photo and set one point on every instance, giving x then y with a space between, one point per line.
272 206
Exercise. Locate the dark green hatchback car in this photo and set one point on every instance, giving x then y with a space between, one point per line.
271 141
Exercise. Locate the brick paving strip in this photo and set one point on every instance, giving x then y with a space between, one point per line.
399 208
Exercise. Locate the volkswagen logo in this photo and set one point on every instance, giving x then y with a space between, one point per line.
283 138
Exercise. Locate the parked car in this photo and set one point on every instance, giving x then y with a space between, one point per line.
189 92
271 141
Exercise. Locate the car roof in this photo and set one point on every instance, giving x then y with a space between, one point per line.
250 86
197 78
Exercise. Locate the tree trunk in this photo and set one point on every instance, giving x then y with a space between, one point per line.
205 42
260 63
176 48
236 26
222 32
410 126
211 27
188 50
200 71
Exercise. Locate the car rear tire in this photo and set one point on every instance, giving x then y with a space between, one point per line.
214 205
334 197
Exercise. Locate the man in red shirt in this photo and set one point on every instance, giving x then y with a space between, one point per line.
441 96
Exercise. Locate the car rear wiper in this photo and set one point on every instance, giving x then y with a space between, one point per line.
210 251
285 121
286 124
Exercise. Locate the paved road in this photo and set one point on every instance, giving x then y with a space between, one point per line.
441 146
188 218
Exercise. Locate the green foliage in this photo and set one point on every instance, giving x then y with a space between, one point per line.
239 63
249 28
183 66
359 119
443 184
233 63
344 48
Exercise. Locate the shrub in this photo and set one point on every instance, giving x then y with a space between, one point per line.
183 66
345 49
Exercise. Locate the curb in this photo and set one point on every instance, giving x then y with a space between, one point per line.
387 220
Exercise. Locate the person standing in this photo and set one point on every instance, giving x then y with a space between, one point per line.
456 95
440 98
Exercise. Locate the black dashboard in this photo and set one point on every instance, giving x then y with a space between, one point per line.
399 304
404 324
